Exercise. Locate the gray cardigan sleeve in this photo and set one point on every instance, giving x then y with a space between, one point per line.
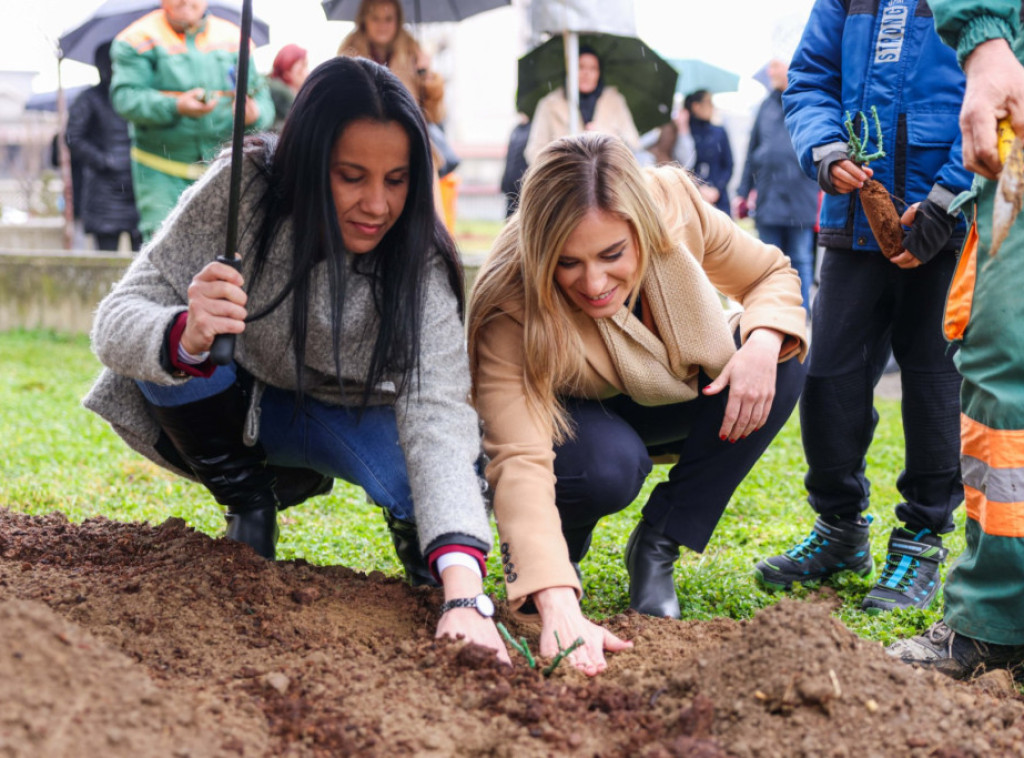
438 428
131 322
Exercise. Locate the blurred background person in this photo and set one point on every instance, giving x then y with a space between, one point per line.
291 65
713 161
99 142
515 164
380 35
173 81
602 109
782 199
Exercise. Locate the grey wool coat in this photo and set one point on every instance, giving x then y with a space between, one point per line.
438 429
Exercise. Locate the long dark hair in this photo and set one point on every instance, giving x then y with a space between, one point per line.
335 94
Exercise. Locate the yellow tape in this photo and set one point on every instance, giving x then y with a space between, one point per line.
179 169
1005 139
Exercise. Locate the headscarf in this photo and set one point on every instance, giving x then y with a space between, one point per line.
588 102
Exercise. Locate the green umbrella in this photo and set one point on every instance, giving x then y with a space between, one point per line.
627 63
695 74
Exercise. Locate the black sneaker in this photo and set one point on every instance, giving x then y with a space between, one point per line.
957 656
834 545
910 577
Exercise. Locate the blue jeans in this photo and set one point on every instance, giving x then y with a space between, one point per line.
798 243
360 446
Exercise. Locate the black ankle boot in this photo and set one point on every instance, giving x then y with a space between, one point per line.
650 558
207 435
406 540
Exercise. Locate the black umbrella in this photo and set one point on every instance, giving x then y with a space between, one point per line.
107 21
223 349
417 11
646 80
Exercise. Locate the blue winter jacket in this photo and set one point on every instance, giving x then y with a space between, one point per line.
855 54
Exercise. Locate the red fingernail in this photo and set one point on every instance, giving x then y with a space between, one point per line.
721 437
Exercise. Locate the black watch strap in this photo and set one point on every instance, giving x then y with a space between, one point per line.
482 603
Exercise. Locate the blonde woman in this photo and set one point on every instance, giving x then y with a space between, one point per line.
597 340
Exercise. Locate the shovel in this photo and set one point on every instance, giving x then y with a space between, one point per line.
1010 189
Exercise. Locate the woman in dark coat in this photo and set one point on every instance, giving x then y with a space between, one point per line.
714 156
98 139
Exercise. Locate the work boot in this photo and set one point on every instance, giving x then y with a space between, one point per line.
650 559
910 577
956 656
406 540
207 435
834 545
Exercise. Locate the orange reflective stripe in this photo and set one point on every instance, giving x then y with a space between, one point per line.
996 519
997 448
961 291
992 461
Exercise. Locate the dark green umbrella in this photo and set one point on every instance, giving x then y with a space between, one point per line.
627 63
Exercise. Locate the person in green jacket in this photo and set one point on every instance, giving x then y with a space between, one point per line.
983 620
173 82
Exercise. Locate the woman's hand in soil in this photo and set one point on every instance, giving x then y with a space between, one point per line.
216 305
560 612
459 581
847 176
472 627
750 377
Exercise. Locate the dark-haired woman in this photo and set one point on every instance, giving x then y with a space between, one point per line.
350 358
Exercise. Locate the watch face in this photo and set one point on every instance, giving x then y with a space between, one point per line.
485 605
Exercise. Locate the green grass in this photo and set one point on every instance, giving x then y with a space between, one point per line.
55 455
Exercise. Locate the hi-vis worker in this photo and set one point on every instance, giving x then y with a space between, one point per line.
174 84
983 621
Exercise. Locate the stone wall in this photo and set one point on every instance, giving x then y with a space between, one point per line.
60 290
55 290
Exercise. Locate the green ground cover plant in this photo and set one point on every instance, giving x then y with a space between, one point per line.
55 455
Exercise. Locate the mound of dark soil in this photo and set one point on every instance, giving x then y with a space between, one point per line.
130 640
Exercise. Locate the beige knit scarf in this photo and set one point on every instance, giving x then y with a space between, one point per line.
695 333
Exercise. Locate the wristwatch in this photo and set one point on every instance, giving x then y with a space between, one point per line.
483 605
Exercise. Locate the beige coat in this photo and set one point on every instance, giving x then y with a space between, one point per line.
623 356
551 120
409 64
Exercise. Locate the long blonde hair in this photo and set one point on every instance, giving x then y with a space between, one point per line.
570 177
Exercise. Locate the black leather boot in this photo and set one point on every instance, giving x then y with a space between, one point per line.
207 435
406 540
650 558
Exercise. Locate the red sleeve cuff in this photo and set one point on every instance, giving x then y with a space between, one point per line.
472 552
204 369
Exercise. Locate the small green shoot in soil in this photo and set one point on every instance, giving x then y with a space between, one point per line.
524 649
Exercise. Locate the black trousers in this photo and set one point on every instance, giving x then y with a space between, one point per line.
865 306
602 469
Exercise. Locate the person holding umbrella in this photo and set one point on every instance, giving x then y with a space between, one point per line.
597 340
380 35
602 108
349 356
172 82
